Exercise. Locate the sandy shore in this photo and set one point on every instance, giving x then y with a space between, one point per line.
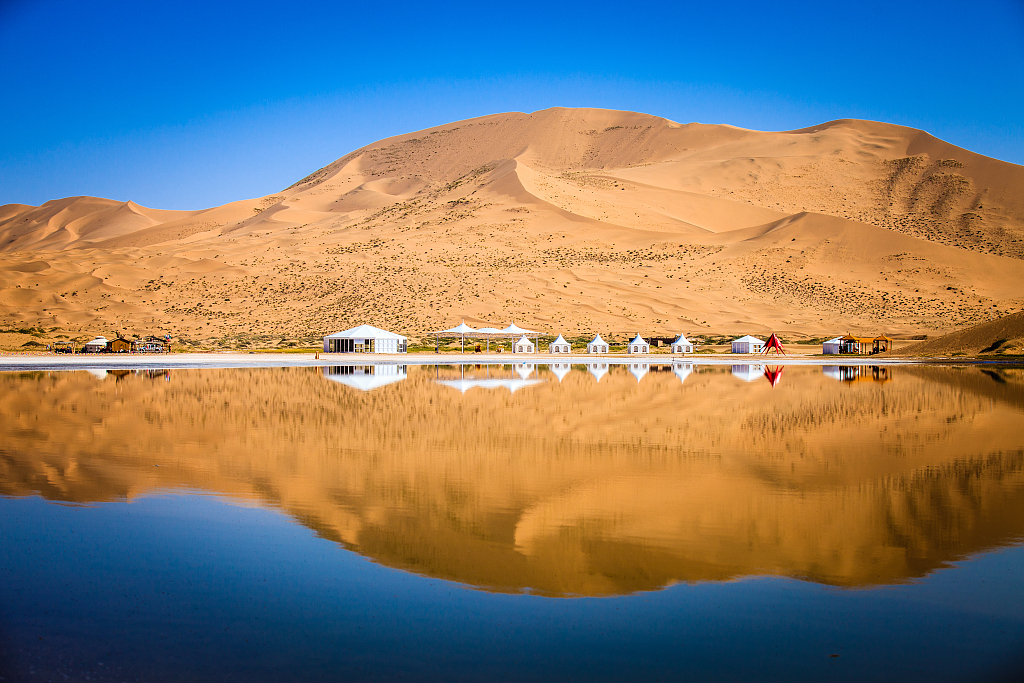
27 362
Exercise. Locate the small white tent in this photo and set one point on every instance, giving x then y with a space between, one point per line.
597 345
559 346
682 345
638 345
97 345
524 345
365 339
747 344
832 347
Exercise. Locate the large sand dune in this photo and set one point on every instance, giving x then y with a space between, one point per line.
573 220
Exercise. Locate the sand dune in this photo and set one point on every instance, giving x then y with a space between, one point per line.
1003 336
574 220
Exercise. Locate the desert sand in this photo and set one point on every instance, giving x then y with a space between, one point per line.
564 220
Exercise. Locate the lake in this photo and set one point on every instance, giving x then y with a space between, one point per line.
599 522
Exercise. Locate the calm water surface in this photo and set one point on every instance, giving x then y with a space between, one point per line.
538 522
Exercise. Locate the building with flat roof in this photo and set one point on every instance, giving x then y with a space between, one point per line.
365 339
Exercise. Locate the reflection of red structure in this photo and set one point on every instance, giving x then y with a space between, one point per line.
774 343
774 374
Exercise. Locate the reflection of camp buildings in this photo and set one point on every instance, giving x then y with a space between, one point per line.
598 370
597 345
858 373
638 370
365 339
858 345
559 346
365 377
524 370
682 370
560 370
748 373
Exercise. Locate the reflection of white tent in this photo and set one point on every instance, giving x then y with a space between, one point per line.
638 370
748 373
832 347
364 339
513 385
747 344
560 370
559 346
524 345
598 370
833 371
365 377
524 370
682 370
682 345
98 374
96 345
638 345
597 345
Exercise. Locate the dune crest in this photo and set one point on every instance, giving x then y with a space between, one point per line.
576 219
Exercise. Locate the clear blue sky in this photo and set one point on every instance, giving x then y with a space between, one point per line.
189 104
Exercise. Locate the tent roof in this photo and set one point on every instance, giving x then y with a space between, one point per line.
833 341
682 339
102 340
364 332
560 340
638 340
462 328
748 338
597 340
489 330
515 329
524 339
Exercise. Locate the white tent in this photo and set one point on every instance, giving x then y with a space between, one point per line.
638 345
598 370
488 332
682 345
524 345
682 370
365 377
97 345
559 346
638 370
832 347
748 373
560 370
597 345
747 344
460 330
365 339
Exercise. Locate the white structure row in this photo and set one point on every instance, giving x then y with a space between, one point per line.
365 339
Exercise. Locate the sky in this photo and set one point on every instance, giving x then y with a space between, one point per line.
188 105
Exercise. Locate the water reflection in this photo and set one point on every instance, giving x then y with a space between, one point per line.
595 484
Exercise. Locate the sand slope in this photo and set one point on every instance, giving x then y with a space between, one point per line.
573 220
1004 336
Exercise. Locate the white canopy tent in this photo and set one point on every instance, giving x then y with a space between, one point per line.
460 330
638 345
559 346
832 347
682 345
524 345
488 332
597 345
747 344
365 339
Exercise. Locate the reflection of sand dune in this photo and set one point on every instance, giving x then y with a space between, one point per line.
570 488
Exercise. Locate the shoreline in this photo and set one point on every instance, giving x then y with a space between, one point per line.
30 362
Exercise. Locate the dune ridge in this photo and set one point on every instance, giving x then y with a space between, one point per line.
572 220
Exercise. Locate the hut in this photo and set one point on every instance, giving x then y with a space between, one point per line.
524 345
597 345
832 347
559 346
119 345
365 339
682 345
747 344
97 345
638 345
